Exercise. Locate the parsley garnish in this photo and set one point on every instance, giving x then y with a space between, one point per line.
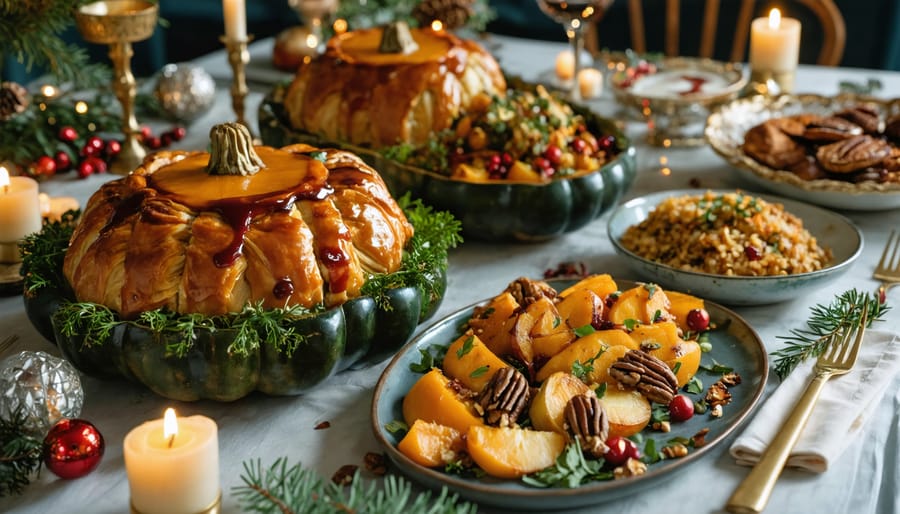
694 385
477 372
571 470
396 426
585 330
431 355
716 368
582 370
466 347
630 324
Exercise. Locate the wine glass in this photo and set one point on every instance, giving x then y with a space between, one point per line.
574 16
313 13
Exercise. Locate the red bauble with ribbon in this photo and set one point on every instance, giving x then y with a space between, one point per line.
73 448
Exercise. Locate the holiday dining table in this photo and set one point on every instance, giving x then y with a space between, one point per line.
863 479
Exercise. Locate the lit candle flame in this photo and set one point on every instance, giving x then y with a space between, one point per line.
774 19
4 180
170 426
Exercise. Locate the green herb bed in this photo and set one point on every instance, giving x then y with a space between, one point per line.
192 357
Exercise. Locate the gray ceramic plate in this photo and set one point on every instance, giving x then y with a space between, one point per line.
735 344
831 230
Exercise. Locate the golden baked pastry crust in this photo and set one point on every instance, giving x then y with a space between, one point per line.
155 239
354 94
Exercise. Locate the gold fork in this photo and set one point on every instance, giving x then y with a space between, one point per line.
753 493
888 269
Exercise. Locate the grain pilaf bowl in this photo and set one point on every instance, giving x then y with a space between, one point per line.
737 267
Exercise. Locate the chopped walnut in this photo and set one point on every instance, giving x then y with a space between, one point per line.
699 439
718 395
460 389
376 463
344 475
730 379
674 451
662 426
631 468
716 411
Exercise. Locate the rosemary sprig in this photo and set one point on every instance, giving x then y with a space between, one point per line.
283 489
825 321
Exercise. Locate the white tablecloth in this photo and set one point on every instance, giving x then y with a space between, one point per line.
863 481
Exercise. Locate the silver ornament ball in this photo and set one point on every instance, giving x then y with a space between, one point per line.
41 388
185 91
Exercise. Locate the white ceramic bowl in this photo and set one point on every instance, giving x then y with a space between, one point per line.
831 230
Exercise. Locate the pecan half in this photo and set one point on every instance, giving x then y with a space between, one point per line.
892 128
865 116
768 144
504 397
830 128
588 423
527 291
649 375
853 154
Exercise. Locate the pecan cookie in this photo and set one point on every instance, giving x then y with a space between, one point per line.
892 128
826 129
863 115
770 145
852 154
808 169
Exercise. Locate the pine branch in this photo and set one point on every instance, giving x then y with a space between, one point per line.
295 489
824 323
20 455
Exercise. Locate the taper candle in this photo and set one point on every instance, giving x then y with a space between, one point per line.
774 43
235 20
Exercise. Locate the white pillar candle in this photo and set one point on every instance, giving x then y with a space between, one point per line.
235 20
20 209
173 474
590 82
52 208
774 43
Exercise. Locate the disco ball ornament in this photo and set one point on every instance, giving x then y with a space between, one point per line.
73 448
41 388
185 91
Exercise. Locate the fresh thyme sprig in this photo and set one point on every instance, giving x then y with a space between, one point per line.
825 321
283 489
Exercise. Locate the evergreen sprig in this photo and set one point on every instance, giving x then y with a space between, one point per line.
20 455
293 489
43 253
30 31
379 12
825 321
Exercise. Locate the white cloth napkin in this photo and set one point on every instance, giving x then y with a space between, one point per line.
841 411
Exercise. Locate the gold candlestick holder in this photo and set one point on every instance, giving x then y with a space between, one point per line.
119 23
770 83
238 58
11 280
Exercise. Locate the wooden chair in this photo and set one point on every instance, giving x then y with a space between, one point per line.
830 18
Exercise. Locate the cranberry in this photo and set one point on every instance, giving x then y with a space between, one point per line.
113 147
606 143
553 154
579 145
85 169
89 151
620 450
153 142
178 133
507 159
68 134
96 143
63 161
753 253
681 408
697 320
166 138
643 67
45 165
97 163
146 133
541 163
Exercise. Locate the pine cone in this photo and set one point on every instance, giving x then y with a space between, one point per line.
504 397
13 100
588 422
452 13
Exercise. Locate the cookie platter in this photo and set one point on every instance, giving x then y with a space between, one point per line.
832 151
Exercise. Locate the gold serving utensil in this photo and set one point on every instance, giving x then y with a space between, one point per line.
888 269
752 495
7 343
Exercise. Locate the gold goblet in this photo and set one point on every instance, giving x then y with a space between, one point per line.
119 23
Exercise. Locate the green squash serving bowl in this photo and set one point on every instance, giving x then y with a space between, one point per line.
489 210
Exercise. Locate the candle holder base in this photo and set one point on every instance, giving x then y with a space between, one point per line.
238 58
215 508
770 83
11 281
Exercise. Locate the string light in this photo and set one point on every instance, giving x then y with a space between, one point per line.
48 91
437 25
339 26
81 107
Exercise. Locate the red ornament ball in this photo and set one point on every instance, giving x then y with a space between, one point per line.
96 143
85 169
113 147
73 448
45 165
97 163
178 133
153 142
63 161
68 134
